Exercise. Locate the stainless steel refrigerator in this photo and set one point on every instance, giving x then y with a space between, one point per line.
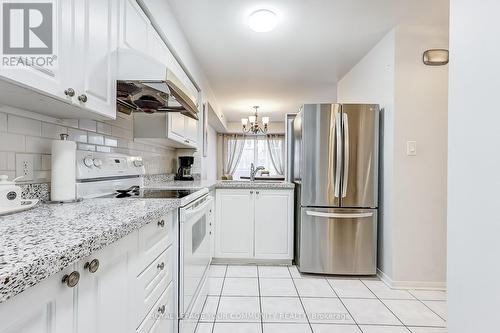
335 169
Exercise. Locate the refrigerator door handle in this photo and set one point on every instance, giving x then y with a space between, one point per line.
338 132
345 119
339 215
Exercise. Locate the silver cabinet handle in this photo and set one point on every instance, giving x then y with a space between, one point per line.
161 309
92 266
69 92
186 141
71 279
251 192
161 266
346 154
339 215
161 223
338 132
82 98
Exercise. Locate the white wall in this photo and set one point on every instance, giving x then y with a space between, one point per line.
372 81
412 236
474 167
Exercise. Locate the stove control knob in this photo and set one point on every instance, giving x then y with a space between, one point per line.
138 163
97 162
88 162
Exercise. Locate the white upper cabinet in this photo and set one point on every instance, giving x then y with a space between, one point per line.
97 57
82 82
134 26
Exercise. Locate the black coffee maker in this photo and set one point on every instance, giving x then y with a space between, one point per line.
184 171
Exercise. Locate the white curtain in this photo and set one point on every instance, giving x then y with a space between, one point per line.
232 148
275 145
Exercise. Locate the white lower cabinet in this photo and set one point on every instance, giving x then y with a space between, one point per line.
254 224
127 286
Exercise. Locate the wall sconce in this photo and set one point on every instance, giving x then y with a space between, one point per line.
436 57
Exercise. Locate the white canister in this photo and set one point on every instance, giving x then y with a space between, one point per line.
63 175
10 194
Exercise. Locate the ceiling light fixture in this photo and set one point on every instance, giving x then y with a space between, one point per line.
254 128
263 20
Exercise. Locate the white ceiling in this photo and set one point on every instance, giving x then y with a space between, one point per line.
315 43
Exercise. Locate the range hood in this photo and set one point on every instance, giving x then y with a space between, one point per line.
146 85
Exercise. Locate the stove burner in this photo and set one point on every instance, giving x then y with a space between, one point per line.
136 192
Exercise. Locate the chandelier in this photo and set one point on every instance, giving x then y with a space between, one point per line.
254 127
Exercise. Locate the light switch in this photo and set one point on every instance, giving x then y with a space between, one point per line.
411 148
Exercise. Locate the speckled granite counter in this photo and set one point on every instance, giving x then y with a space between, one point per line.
182 185
211 184
257 184
40 242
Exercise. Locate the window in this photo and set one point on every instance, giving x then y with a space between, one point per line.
256 151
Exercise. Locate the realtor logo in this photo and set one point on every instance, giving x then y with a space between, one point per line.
27 28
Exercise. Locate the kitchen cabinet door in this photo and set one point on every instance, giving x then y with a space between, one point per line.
103 295
49 80
46 307
234 223
274 224
176 127
95 56
191 130
134 26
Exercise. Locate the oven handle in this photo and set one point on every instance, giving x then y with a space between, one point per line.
186 213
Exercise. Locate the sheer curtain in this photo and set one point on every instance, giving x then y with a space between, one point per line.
232 150
275 145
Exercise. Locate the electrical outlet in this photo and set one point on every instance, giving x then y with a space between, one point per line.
24 167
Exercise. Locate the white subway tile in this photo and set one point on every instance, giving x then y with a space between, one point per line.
11 161
23 125
112 142
53 131
104 128
38 145
12 142
69 122
77 135
3 161
3 122
38 175
87 124
46 162
83 146
122 120
104 149
95 139
121 133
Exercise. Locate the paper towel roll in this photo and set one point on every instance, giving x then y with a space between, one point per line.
63 182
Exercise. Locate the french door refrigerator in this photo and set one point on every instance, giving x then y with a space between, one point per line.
335 170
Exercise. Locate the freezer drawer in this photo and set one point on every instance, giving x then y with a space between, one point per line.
337 241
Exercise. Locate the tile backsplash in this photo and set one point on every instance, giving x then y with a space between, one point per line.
26 133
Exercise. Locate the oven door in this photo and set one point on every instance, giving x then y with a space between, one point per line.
194 250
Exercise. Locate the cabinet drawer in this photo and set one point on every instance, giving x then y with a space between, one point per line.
160 318
152 282
154 238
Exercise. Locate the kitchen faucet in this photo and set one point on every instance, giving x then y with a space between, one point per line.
254 170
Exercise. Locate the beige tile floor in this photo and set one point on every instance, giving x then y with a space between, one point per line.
276 299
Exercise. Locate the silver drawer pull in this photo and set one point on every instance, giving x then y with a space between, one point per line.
161 309
161 266
161 223
339 215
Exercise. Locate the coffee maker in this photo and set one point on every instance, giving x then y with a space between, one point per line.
184 171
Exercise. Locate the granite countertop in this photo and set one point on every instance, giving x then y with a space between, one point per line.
211 184
182 185
48 238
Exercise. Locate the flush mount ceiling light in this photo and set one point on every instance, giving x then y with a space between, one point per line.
263 20
436 57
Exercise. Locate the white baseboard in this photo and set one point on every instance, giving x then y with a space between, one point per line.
429 285
232 261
